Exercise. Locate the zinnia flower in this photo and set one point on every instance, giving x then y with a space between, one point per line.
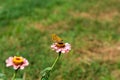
17 62
61 49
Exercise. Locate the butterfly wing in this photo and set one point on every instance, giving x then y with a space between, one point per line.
56 38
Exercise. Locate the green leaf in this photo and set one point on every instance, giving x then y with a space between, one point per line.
46 73
46 70
44 78
2 75
18 79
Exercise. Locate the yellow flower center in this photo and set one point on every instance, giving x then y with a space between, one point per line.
17 60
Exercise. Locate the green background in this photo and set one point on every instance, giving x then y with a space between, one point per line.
92 27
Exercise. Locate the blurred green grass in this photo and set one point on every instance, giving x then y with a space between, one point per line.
26 27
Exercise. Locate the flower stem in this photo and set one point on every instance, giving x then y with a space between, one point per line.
13 78
47 72
56 61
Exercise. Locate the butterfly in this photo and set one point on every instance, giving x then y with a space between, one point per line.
58 40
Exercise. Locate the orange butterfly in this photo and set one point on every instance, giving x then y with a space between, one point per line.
58 40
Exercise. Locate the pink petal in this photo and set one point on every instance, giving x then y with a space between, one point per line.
21 67
16 67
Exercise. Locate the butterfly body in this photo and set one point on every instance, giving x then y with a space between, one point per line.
58 41
60 45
